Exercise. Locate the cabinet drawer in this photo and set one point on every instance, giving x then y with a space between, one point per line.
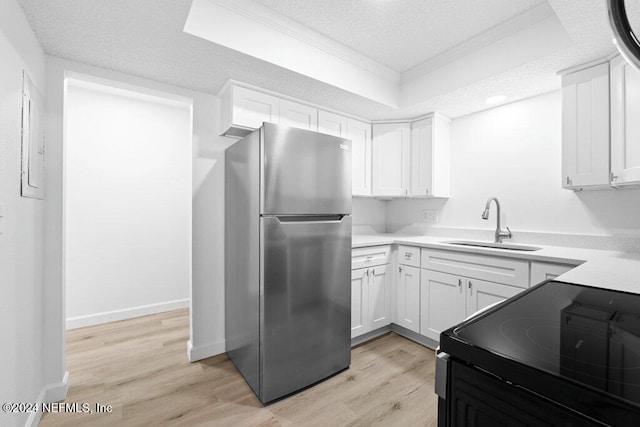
493 269
369 256
409 255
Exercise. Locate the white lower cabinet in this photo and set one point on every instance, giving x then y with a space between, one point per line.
433 290
442 302
447 299
359 297
481 294
407 298
370 299
379 305
541 271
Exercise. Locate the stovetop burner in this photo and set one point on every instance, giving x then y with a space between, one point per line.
589 335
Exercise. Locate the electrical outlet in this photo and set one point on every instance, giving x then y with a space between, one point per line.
430 215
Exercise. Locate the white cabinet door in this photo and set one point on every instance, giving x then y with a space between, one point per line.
298 115
408 298
391 146
541 271
625 123
585 128
359 302
430 142
481 294
379 312
332 124
247 109
360 135
442 302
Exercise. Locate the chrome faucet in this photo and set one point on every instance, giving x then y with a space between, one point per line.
499 235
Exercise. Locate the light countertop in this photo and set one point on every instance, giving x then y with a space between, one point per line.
602 269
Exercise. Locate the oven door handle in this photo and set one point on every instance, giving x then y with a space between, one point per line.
442 365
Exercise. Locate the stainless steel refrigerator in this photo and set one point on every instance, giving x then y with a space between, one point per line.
288 258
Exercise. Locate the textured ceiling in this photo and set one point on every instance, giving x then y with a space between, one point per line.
145 38
400 34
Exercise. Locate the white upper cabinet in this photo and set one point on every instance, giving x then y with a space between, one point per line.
298 115
360 135
430 147
391 159
244 110
585 128
625 123
332 124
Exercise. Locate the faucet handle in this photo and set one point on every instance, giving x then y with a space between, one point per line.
509 235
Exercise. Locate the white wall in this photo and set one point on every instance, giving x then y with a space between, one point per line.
514 152
368 215
21 228
128 203
207 291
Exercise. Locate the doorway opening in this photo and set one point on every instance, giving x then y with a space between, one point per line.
127 201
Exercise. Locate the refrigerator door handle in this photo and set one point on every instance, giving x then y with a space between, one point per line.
326 219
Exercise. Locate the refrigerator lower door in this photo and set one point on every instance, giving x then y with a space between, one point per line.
305 308
304 172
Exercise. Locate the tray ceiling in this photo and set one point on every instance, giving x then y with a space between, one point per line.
145 38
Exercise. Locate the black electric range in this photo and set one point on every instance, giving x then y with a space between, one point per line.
557 354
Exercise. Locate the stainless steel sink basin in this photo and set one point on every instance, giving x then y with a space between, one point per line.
508 246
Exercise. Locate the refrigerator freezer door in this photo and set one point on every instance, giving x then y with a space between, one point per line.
304 172
306 302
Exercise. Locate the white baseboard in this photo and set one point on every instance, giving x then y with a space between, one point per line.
55 392
126 313
204 351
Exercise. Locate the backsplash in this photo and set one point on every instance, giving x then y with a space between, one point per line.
369 216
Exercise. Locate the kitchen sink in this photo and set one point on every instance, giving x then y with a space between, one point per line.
508 246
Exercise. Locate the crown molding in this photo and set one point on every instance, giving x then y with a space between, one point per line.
291 28
498 32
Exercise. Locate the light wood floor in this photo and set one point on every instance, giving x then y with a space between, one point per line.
140 367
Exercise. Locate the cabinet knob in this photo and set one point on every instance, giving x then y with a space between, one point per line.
427 191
